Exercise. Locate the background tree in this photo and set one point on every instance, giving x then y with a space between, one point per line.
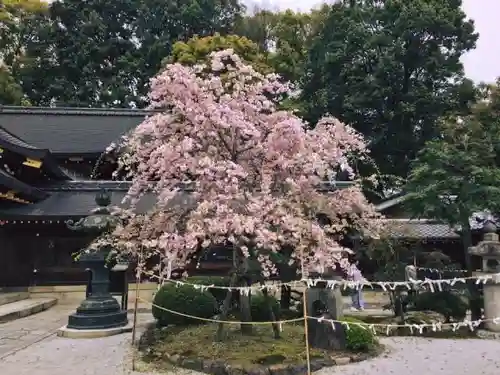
10 91
197 50
102 53
162 23
84 56
253 173
458 175
285 36
19 20
391 69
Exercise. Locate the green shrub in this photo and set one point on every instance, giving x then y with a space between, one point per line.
358 338
286 314
219 294
184 299
449 304
260 310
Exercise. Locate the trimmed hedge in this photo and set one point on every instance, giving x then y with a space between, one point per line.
183 299
449 304
219 294
358 339
260 310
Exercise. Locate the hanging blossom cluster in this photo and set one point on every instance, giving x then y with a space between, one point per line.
225 165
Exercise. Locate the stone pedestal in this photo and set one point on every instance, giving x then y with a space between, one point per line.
489 251
491 292
99 310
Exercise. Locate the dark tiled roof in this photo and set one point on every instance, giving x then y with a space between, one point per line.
69 130
9 137
409 228
397 199
62 204
14 144
77 199
26 191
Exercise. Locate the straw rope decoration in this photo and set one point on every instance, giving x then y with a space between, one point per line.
345 284
433 285
414 328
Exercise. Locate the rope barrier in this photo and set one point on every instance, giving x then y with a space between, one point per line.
220 321
384 285
440 270
419 327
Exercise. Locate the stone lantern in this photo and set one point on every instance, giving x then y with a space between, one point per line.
489 250
100 310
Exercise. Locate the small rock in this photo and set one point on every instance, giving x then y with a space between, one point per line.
424 317
175 358
192 364
207 366
257 370
342 361
219 368
279 369
235 370
316 364
298 369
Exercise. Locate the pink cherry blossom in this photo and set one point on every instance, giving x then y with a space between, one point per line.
251 169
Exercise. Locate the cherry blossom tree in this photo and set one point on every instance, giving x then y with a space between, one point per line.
228 167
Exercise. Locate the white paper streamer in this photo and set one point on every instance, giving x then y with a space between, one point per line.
413 328
440 271
386 286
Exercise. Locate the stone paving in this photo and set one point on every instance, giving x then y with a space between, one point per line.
29 347
23 332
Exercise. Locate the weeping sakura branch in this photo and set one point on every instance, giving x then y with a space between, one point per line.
227 166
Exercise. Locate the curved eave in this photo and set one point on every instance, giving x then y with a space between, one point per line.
16 145
21 190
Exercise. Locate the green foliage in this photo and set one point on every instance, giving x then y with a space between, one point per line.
197 50
219 294
19 20
290 35
359 338
458 174
184 299
259 307
389 68
10 91
449 304
103 53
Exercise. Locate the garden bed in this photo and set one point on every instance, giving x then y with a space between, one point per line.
193 347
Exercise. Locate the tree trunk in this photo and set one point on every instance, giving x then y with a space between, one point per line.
272 317
398 306
286 297
245 309
225 307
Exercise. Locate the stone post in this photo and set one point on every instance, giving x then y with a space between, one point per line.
489 250
326 303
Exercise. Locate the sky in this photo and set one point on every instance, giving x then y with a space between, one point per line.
481 64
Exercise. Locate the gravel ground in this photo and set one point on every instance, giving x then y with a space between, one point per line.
111 356
420 356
